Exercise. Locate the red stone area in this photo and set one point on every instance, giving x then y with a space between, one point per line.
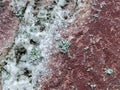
95 46
8 27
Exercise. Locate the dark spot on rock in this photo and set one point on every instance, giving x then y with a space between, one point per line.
33 42
63 7
42 28
67 0
49 8
65 17
19 51
1 3
27 72
54 2
38 22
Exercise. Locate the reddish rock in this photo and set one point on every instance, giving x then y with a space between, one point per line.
95 46
8 28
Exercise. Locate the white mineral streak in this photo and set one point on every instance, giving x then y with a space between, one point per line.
15 76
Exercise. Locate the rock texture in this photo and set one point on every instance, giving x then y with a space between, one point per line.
8 28
93 59
89 62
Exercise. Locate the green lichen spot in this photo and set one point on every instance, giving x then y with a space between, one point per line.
108 71
64 45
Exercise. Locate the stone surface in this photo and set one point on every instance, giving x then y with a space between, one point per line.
94 50
8 28
92 60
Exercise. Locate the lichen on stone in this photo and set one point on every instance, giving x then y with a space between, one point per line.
27 60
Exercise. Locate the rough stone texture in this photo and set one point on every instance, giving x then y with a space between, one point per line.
44 3
8 27
95 45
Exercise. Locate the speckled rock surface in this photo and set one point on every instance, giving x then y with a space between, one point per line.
93 59
61 45
8 28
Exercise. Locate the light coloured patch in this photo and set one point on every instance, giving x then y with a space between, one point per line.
27 61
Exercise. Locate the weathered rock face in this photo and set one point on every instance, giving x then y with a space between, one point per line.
89 61
93 59
8 28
